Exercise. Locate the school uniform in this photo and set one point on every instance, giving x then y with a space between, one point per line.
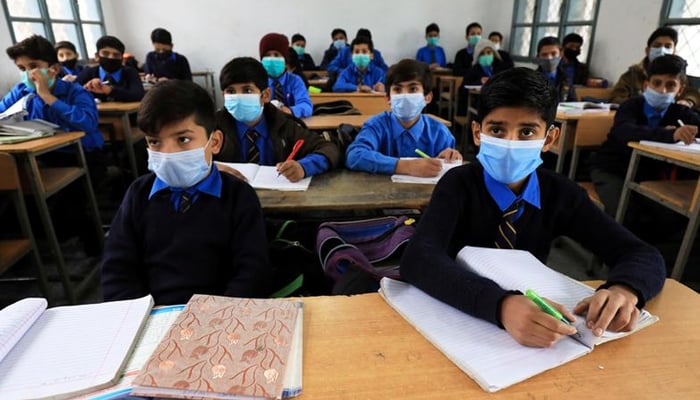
344 59
432 54
290 89
306 62
159 245
126 84
463 61
466 209
68 71
576 72
476 72
174 66
564 87
276 134
383 140
328 56
351 77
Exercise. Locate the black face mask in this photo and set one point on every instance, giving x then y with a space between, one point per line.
70 64
571 54
163 55
110 65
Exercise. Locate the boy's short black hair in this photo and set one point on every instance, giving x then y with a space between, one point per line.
110 41
472 25
668 64
572 38
160 35
497 33
64 44
409 70
362 40
243 70
663 31
547 41
297 37
433 27
519 87
35 47
364 32
337 31
172 101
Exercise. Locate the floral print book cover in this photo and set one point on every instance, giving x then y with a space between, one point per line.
225 345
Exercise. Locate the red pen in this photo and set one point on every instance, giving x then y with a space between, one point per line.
294 152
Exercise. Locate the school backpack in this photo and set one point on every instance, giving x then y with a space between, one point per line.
338 107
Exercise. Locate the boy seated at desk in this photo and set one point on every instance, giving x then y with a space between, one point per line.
497 39
432 54
255 131
340 40
68 57
465 57
163 63
550 66
289 92
305 60
186 228
361 76
110 81
387 137
344 57
505 201
486 63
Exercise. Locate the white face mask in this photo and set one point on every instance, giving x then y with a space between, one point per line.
182 169
656 52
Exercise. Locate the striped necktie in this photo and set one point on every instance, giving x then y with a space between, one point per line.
506 234
185 202
360 78
433 58
253 154
279 93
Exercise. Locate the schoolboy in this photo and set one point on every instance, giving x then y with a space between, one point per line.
549 65
344 57
514 124
340 40
388 136
163 63
465 57
432 54
652 116
299 46
186 228
486 63
497 39
68 58
256 131
288 90
110 81
360 76
630 84
576 71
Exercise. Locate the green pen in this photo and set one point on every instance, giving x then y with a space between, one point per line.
422 154
544 306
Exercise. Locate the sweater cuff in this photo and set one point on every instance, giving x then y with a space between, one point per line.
641 301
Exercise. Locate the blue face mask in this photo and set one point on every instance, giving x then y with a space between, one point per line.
474 39
274 66
339 44
509 161
406 107
243 107
182 169
30 84
659 101
486 60
655 52
433 41
360 60
299 50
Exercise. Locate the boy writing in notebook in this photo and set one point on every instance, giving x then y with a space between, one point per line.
255 131
289 92
186 228
361 76
163 63
505 201
387 137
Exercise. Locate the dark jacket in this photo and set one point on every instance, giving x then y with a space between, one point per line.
565 89
463 61
174 67
129 87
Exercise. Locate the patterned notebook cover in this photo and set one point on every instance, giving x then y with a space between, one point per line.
223 345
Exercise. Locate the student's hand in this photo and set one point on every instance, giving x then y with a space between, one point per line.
150 78
292 170
532 327
161 79
364 88
41 82
422 167
95 86
685 102
484 79
231 171
379 87
614 309
685 134
69 78
434 66
286 110
450 155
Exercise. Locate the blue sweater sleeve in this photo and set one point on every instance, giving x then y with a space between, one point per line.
379 61
339 62
302 107
79 112
364 155
314 164
345 82
132 89
16 93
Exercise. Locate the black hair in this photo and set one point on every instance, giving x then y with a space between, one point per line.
547 41
337 31
473 25
35 47
364 32
496 33
298 36
65 45
362 40
243 70
172 101
668 64
663 31
110 41
432 28
572 38
519 87
409 70
160 35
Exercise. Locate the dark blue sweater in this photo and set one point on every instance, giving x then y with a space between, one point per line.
217 247
462 213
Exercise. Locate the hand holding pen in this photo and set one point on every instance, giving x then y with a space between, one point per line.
290 168
685 133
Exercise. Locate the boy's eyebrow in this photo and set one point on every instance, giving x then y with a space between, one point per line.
525 124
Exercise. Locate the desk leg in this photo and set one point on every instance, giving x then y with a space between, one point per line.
129 144
90 194
575 153
687 244
564 139
626 191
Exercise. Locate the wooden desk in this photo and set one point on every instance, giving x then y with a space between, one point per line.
324 122
358 347
593 128
367 103
682 197
348 190
45 182
447 92
117 114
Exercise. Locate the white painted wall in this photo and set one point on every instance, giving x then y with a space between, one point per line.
8 72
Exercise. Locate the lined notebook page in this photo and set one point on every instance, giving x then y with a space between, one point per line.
73 349
15 321
266 177
446 166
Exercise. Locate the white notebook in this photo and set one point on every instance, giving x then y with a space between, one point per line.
267 177
680 146
485 352
446 166
65 351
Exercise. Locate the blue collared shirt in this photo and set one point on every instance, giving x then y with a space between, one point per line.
382 141
210 185
424 55
653 115
296 97
488 71
504 197
551 76
347 80
75 110
117 76
570 70
344 59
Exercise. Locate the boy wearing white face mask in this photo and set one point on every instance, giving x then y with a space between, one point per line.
361 75
186 228
549 60
388 136
472 204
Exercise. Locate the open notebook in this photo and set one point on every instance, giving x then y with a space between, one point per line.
486 353
267 177
446 166
65 351
578 107
680 146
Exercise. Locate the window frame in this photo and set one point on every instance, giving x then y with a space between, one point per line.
666 20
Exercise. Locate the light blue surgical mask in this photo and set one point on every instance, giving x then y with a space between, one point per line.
509 161
433 41
361 60
549 64
299 50
274 66
659 101
474 39
339 44
655 52
407 106
243 107
182 169
30 84
486 60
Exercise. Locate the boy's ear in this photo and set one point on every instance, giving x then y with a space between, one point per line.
552 136
681 89
429 97
644 85
266 95
216 140
476 133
